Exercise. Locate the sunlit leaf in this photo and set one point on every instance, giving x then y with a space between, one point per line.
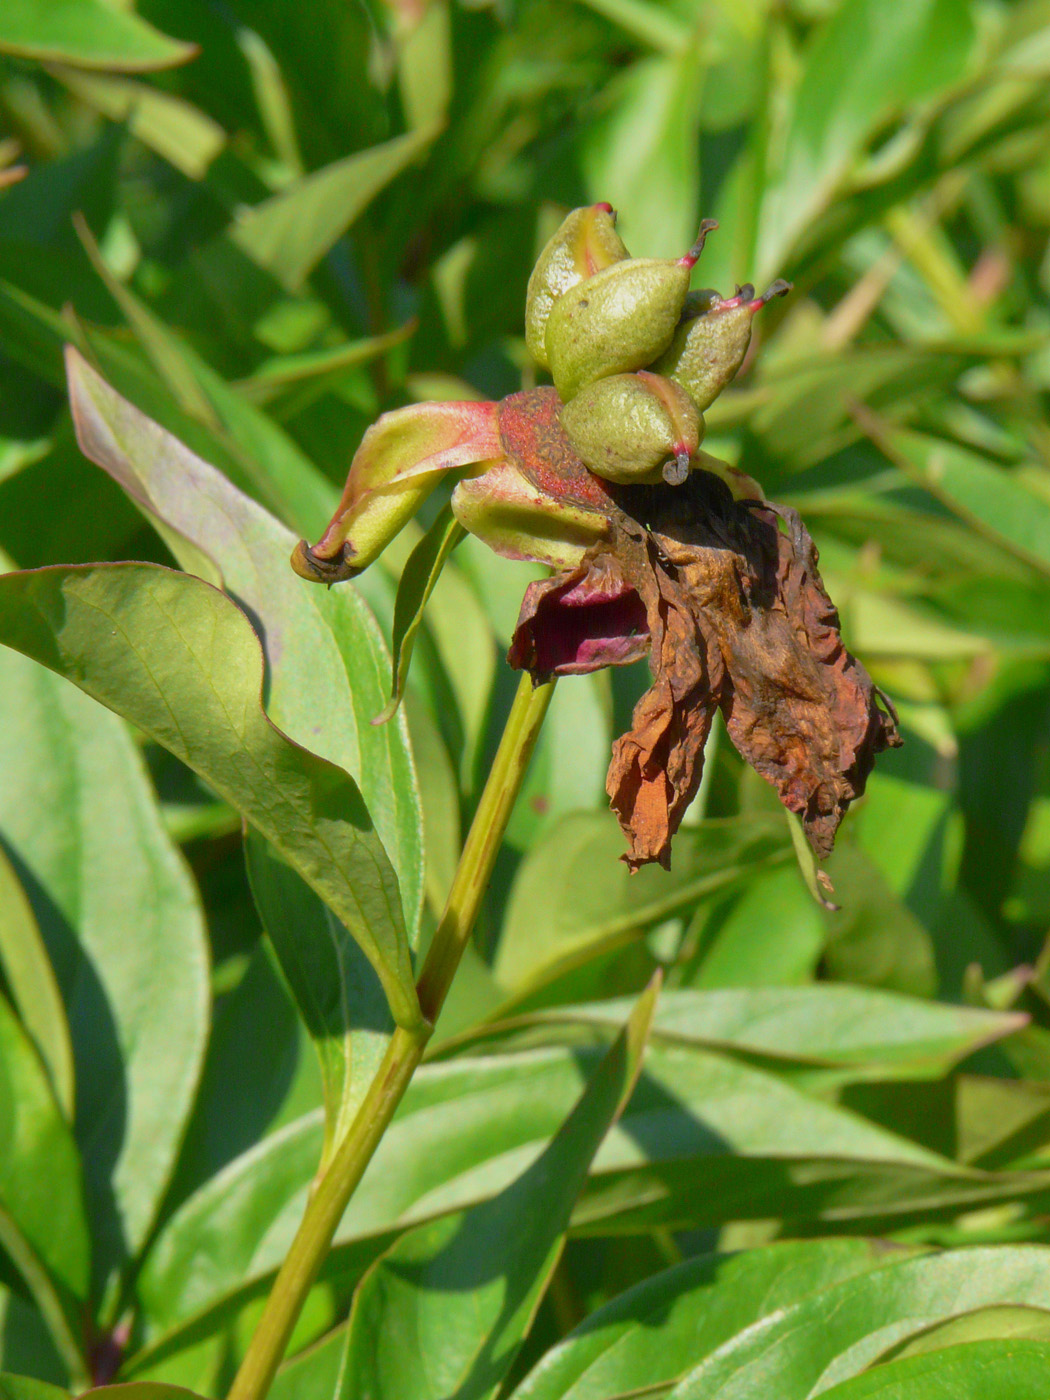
180 660
305 632
466 1288
123 927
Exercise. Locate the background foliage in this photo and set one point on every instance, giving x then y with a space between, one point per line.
322 211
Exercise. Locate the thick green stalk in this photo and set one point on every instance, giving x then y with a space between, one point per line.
333 1190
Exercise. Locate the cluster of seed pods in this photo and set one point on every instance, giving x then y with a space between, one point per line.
635 356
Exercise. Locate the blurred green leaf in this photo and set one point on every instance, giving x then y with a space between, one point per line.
466 1288
642 155
895 59
994 501
250 1071
146 1390
573 897
318 369
87 34
167 124
767 932
25 1388
181 661
289 233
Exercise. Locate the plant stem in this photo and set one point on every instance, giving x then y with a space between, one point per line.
482 844
333 1190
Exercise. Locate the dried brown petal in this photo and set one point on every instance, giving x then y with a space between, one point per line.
737 617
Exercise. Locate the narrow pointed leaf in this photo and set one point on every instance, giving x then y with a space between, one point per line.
573 898
444 1312
87 34
180 660
705 1139
291 232
894 57
417 582
317 369
995 501
828 1024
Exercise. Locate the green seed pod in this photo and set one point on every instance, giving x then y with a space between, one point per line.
586 242
712 339
634 428
619 320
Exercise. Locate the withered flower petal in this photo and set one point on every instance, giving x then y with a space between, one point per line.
735 616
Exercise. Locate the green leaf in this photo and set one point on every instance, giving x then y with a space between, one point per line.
416 584
316 1374
43 1224
30 980
875 938
250 447
183 134
833 1335
326 663
704 1139
996 502
767 932
87 34
337 992
651 1335
231 431
994 1370
813 877
894 57
574 898
444 1312
121 919
146 1390
827 1024
289 233
251 1070
180 660
642 154
26 1388
317 370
